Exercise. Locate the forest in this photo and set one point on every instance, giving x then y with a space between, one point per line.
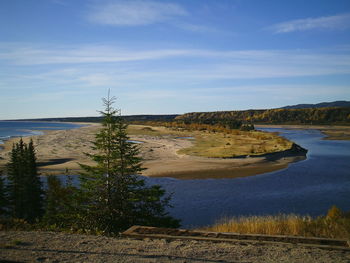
331 115
235 119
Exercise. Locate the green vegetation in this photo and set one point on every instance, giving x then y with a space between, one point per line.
24 193
3 200
111 197
335 224
236 143
115 198
336 115
62 205
217 141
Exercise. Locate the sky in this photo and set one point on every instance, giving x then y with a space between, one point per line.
58 58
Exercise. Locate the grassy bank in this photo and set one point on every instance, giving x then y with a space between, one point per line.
335 224
220 144
337 134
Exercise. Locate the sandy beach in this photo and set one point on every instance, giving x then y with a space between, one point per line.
60 151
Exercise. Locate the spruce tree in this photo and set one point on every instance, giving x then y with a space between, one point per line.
3 197
24 185
33 189
15 180
61 204
115 196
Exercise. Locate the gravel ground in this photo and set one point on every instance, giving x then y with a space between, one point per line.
21 246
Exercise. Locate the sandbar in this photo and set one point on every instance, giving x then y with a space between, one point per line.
61 151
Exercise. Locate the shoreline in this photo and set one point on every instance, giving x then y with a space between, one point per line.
59 151
335 132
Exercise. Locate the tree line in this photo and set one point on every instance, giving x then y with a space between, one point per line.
335 115
111 195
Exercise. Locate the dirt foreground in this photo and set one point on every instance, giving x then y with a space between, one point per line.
60 151
20 246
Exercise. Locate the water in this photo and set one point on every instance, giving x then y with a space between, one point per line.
134 141
10 129
308 187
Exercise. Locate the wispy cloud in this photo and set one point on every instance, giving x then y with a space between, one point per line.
336 22
81 54
199 28
134 12
229 63
98 67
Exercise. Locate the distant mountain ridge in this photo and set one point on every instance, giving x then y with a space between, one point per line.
339 103
130 118
336 112
324 115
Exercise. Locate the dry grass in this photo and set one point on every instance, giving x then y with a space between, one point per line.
155 131
330 226
222 145
268 225
340 134
219 144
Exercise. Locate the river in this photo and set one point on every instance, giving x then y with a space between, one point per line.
308 187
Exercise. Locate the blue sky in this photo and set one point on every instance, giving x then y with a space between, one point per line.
59 57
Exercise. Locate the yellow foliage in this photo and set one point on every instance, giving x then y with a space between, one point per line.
334 225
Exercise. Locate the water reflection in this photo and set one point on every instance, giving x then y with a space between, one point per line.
308 187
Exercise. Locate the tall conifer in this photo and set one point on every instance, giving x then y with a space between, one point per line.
24 185
115 196
34 192
3 197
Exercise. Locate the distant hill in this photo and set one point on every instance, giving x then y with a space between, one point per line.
339 103
331 115
129 118
336 112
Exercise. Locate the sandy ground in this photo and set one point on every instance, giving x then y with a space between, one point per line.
59 152
20 246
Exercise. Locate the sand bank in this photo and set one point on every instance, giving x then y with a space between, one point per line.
59 152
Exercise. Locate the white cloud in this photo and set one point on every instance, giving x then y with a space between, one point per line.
101 66
134 12
36 55
336 22
199 28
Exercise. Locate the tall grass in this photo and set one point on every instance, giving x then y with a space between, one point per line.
335 224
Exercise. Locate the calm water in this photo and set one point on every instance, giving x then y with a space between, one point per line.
308 187
10 129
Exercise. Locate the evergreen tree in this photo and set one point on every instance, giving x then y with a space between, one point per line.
115 196
15 180
34 192
24 185
3 198
61 204
53 202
